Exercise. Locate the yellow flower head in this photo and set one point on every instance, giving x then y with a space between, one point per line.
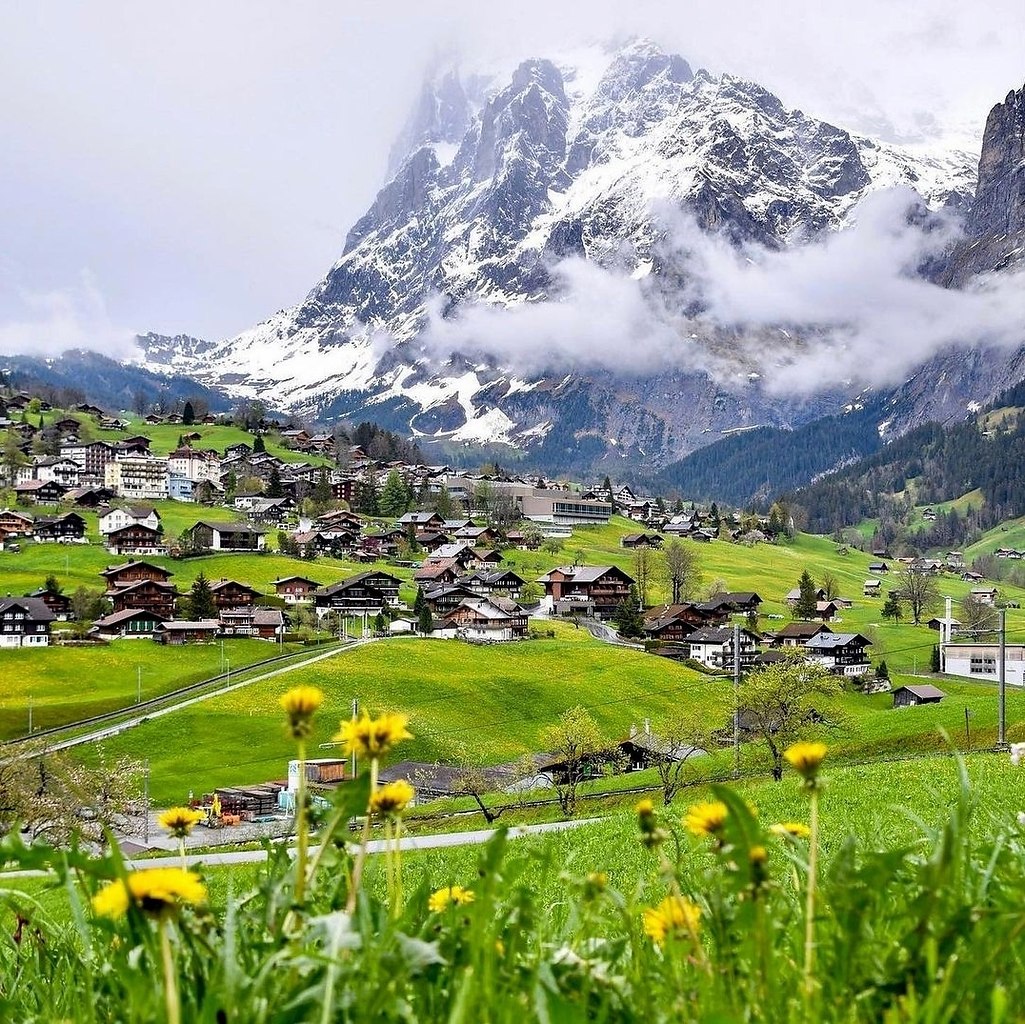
451 895
758 854
791 830
180 821
300 704
674 918
644 808
392 798
373 737
708 819
156 891
595 884
805 759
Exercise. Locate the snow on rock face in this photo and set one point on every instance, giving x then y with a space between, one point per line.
493 180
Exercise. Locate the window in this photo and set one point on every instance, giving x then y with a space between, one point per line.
984 664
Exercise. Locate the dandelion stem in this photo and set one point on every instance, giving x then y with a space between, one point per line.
398 866
361 856
809 913
170 975
181 850
301 828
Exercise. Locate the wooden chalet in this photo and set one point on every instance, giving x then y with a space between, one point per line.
367 592
24 622
252 620
59 603
186 631
40 492
494 618
128 623
16 524
641 540
208 535
841 653
601 587
131 572
917 693
232 594
65 527
295 589
151 595
136 539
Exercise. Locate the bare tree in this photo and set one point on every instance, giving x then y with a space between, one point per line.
683 570
831 586
977 616
920 592
576 745
643 565
679 738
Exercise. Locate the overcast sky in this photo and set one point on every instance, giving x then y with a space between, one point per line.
193 167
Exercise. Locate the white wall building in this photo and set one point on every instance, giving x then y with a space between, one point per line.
118 518
63 471
195 465
980 661
137 476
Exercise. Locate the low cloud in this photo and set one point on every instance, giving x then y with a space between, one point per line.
47 323
851 308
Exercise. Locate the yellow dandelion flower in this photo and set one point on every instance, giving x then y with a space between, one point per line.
805 758
758 854
373 737
300 704
157 892
674 918
451 895
392 798
644 807
791 830
707 819
180 821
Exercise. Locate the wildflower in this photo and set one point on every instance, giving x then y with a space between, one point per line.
157 892
758 857
300 704
180 821
708 819
805 759
758 854
1017 753
371 738
595 883
674 918
451 895
392 798
790 830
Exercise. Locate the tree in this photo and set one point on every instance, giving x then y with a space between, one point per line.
643 565
367 494
628 617
920 591
683 569
52 585
188 414
680 736
394 499
807 602
201 600
424 618
258 445
777 703
274 488
882 671
606 487
576 745
13 458
892 608
380 623
976 616
322 491
831 586
935 661
86 606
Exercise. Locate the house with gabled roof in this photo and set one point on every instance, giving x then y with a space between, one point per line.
603 587
24 622
842 653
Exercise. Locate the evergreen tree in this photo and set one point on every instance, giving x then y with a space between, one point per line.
380 623
201 600
231 485
367 494
808 599
258 445
52 585
424 619
607 486
713 516
394 500
188 414
882 671
628 617
274 488
935 665
892 609
322 490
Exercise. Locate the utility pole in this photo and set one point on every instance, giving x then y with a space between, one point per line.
1002 683
945 631
736 700
138 684
355 715
30 716
145 804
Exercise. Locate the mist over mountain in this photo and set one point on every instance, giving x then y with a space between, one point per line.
608 255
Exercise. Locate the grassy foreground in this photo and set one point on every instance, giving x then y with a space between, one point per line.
876 916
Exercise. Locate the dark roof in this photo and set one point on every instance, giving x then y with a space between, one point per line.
35 606
116 618
228 527
113 570
802 630
923 690
585 573
290 579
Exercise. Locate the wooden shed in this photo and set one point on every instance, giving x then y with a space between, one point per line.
916 693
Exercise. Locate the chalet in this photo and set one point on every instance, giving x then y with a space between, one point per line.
218 536
451 525
24 622
972 577
67 527
89 497
89 410
936 623
421 522
841 653
383 542
319 542
131 572
270 510
16 524
501 581
40 492
63 471
185 631
641 540
137 442
793 596
878 567
433 573
264 623
484 558
916 693
136 539
476 536
295 589
668 627
152 595
643 749
433 781
740 601
118 518
232 594
456 553
602 587
430 542
367 592
827 610
713 646
797 634
486 618
872 588
129 623
68 425
444 599
985 595
58 603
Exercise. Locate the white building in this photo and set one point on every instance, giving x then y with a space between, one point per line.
137 476
979 661
63 471
119 518
195 465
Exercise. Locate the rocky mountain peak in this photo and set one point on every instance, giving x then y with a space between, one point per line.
999 205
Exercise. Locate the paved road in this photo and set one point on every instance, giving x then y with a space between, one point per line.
443 840
130 723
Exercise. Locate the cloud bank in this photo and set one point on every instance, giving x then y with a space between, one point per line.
850 308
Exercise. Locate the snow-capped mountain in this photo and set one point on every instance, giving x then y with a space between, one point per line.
497 181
